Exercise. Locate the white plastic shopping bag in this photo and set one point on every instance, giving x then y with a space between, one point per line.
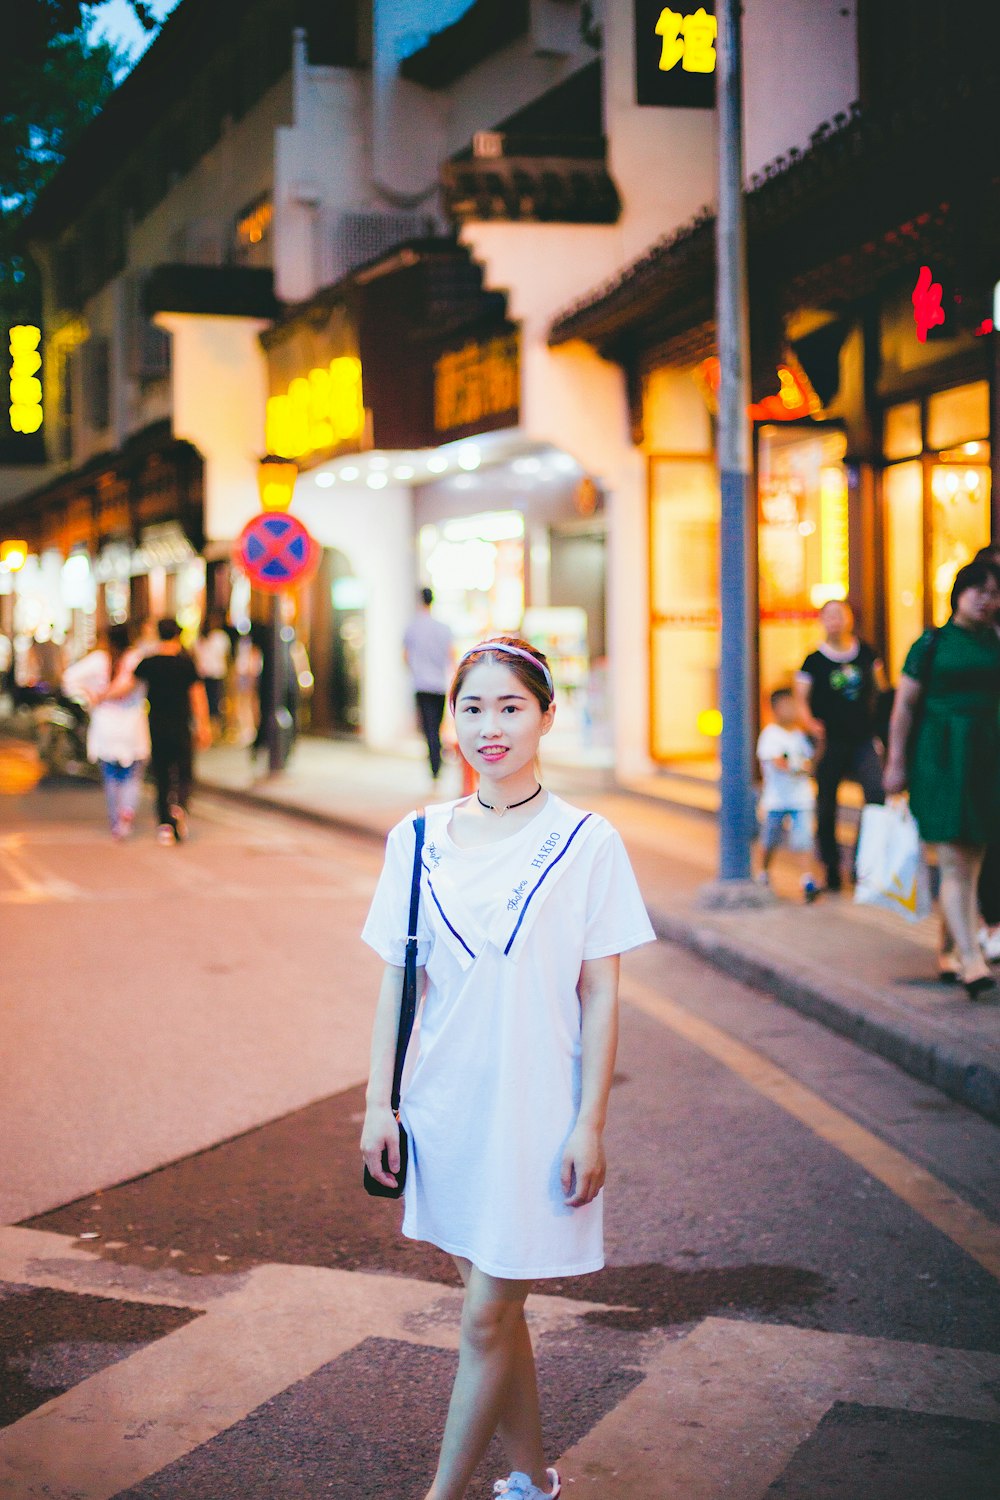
892 871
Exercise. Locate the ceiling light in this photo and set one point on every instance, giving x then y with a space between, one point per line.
377 481
351 472
526 465
378 461
403 471
469 457
325 479
437 463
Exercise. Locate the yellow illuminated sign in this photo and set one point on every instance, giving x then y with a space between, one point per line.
688 40
477 381
319 411
25 387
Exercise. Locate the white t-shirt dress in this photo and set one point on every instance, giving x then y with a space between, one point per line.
492 1085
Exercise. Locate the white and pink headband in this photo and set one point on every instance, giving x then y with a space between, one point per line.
514 651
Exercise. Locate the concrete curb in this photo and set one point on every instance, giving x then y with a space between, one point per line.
952 1068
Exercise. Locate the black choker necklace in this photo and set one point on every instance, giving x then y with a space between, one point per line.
501 810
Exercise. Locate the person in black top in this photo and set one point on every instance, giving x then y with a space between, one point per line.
837 689
176 696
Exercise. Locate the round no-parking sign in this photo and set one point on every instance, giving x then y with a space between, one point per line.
276 551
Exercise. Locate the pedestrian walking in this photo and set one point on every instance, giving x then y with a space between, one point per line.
837 691
118 731
788 799
211 652
429 649
989 875
526 904
944 745
176 697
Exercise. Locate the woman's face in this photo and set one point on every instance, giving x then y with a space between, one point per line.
498 721
978 605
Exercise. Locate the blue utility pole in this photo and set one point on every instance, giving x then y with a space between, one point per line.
736 813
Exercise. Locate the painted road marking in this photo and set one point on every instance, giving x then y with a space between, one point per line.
721 1412
273 1326
29 886
964 1225
718 1415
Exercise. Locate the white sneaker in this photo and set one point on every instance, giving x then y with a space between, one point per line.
518 1486
990 944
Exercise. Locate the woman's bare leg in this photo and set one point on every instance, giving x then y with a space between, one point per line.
959 865
495 1386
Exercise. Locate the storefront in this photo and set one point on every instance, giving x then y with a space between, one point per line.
936 505
417 472
520 547
874 357
116 541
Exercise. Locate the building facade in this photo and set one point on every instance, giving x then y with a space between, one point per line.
455 259
873 254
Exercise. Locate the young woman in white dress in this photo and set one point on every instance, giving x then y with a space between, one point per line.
526 904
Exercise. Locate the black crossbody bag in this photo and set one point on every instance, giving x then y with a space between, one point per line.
407 1015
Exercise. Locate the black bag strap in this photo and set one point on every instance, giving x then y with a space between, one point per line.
408 1000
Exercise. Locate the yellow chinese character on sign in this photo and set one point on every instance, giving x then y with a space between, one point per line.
688 40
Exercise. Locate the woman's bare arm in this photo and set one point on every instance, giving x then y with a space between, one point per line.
583 1164
380 1130
908 695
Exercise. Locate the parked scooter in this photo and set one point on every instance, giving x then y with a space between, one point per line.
60 726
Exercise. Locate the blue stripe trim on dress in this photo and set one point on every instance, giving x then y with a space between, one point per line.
538 882
451 929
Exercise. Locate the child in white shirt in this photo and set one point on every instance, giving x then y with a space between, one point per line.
785 754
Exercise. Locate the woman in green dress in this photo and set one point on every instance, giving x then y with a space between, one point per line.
944 744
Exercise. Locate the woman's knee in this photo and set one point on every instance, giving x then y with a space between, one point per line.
492 1313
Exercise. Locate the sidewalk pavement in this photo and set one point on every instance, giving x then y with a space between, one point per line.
864 973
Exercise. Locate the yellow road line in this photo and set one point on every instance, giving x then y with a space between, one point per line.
964 1225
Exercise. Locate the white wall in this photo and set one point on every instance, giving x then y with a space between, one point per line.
800 68
375 533
201 207
662 160
322 166
575 400
218 390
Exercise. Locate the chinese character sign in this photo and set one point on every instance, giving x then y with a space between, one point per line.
688 40
478 382
25 386
675 53
927 310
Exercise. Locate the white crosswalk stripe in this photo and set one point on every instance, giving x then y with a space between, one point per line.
719 1412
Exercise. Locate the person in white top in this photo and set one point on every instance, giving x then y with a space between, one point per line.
788 798
526 904
429 653
118 732
211 650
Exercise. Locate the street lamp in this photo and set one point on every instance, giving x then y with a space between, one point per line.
276 481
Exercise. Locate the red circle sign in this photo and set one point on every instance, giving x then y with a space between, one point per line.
276 551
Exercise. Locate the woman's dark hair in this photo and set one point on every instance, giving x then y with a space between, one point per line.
973 576
525 673
119 640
